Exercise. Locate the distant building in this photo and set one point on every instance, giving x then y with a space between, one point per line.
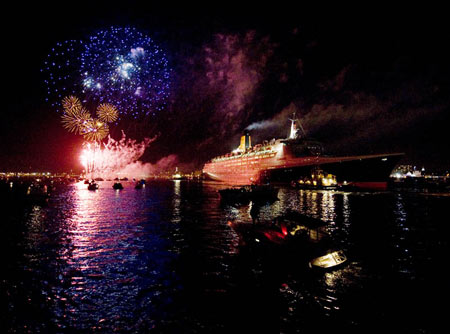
403 171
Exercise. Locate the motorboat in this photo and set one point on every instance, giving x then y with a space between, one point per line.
140 184
93 186
37 193
294 237
117 186
317 180
329 260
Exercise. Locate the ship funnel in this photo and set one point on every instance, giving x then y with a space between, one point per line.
246 142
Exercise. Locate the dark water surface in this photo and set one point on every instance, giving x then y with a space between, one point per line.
163 259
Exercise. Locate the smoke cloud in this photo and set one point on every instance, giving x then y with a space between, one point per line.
278 121
235 67
240 81
217 87
121 159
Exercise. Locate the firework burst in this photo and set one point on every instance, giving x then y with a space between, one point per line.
107 113
71 105
77 119
60 70
95 130
121 66
124 67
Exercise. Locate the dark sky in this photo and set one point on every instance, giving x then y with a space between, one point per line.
362 80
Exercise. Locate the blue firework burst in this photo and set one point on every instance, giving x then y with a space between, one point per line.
121 66
60 70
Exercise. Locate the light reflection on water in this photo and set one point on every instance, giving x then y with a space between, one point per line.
117 260
164 258
176 201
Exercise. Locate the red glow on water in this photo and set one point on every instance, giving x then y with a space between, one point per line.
274 236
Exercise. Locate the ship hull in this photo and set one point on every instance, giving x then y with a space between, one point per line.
368 171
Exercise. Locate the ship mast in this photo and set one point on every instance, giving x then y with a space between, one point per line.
294 134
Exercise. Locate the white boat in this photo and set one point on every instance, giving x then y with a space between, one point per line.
329 260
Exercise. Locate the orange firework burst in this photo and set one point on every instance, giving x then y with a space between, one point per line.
107 113
72 105
78 120
95 130
75 121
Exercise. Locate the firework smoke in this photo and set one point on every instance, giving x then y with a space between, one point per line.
217 87
121 159
234 67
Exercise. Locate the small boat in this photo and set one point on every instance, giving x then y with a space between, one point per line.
330 260
318 180
266 234
117 186
37 193
292 237
140 184
93 186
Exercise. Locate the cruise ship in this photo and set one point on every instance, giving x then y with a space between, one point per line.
292 158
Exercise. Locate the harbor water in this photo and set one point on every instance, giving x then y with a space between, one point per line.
164 259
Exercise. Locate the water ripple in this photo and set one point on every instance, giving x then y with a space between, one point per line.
164 258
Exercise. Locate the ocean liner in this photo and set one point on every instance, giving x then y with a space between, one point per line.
287 160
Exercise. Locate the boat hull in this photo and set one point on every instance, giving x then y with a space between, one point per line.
368 171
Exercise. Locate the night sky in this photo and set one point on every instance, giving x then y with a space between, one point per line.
362 81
